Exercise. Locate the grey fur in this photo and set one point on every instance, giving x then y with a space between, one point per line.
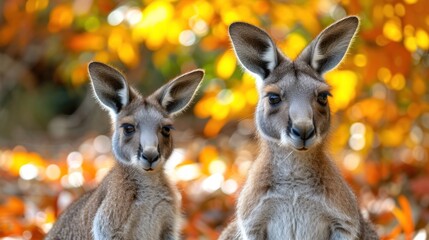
135 200
294 190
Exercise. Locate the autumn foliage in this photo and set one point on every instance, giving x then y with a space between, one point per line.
54 140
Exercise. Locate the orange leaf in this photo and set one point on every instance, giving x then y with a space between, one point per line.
12 206
404 218
86 42
400 216
406 209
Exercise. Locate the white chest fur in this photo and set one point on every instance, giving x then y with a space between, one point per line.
297 205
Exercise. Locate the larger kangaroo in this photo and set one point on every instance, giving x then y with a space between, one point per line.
294 190
135 200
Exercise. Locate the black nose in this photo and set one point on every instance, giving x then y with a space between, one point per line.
303 132
150 156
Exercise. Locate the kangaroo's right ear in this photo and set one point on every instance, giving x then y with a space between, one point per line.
328 49
110 86
176 95
255 50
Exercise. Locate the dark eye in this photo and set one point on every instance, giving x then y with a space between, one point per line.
273 98
165 130
322 98
128 129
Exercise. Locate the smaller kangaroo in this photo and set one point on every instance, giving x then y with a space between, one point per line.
135 200
294 190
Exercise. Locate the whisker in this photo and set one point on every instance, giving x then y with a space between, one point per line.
289 154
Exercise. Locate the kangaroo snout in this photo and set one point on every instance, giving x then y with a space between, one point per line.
302 134
302 131
150 154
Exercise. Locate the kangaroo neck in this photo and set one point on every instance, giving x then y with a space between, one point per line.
140 176
284 157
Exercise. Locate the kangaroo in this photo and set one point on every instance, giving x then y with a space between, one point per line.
294 190
135 200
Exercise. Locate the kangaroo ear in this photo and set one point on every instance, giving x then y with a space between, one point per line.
328 49
176 95
110 86
255 50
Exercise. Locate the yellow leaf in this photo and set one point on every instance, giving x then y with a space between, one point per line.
422 39
157 12
238 102
392 30
219 111
128 55
410 1
293 45
226 64
410 43
343 88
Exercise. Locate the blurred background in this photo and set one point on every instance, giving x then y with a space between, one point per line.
55 139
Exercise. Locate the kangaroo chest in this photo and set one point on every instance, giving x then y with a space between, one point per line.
151 214
292 217
300 217
299 208
139 213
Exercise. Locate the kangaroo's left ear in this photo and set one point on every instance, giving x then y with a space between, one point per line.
328 49
254 49
176 95
110 87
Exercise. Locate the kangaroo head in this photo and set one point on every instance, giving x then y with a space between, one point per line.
142 125
293 107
